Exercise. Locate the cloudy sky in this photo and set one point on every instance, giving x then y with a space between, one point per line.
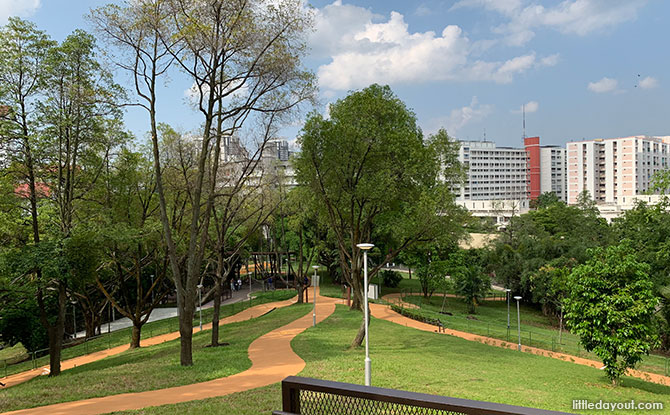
581 68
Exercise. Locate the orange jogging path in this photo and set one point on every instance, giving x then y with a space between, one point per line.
272 360
384 312
243 315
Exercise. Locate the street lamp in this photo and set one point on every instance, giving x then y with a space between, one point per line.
518 319
152 288
365 247
315 267
200 295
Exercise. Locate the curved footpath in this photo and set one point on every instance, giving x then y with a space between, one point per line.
272 360
243 315
385 313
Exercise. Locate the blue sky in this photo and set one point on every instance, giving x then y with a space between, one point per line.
467 65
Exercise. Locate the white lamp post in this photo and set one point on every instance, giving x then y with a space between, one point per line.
152 288
315 267
368 362
200 301
518 319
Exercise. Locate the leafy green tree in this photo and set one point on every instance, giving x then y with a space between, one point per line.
544 200
611 308
472 284
376 178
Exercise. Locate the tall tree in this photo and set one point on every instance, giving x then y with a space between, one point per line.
374 176
245 54
23 55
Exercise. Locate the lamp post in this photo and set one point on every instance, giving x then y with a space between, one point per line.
365 247
200 297
152 288
315 267
518 319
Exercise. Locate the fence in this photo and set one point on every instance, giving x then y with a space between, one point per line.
306 396
530 336
108 340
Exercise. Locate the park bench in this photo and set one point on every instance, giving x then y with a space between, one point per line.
307 396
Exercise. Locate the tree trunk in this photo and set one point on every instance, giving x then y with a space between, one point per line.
360 336
56 333
215 315
301 289
186 335
137 335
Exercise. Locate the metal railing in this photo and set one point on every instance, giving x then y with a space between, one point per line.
306 396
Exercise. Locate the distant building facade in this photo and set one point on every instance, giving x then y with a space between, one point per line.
614 168
493 173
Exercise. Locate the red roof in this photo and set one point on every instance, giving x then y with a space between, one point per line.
23 190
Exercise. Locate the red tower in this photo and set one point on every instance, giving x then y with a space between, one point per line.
532 145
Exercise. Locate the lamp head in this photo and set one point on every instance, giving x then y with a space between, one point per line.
517 297
365 246
508 290
315 267
199 286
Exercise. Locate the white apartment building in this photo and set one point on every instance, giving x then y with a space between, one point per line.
553 171
614 168
493 173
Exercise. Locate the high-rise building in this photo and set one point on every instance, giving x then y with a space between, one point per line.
553 171
493 173
613 168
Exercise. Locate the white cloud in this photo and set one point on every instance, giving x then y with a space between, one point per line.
21 8
530 107
460 117
649 83
422 11
579 17
604 85
386 52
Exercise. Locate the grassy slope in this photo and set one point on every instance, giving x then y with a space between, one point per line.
154 328
407 359
537 329
151 368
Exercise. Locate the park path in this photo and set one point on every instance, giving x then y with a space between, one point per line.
272 359
384 312
244 315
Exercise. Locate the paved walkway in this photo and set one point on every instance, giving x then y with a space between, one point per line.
272 360
385 313
244 315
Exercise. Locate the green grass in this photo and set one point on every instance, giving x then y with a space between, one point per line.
537 330
408 359
151 329
151 368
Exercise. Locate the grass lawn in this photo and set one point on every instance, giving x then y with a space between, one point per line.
150 368
536 329
408 359
151 329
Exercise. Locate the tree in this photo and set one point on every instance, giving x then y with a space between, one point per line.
244 59
611 308
375 177
472 284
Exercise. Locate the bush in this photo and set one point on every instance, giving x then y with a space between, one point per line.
390 278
